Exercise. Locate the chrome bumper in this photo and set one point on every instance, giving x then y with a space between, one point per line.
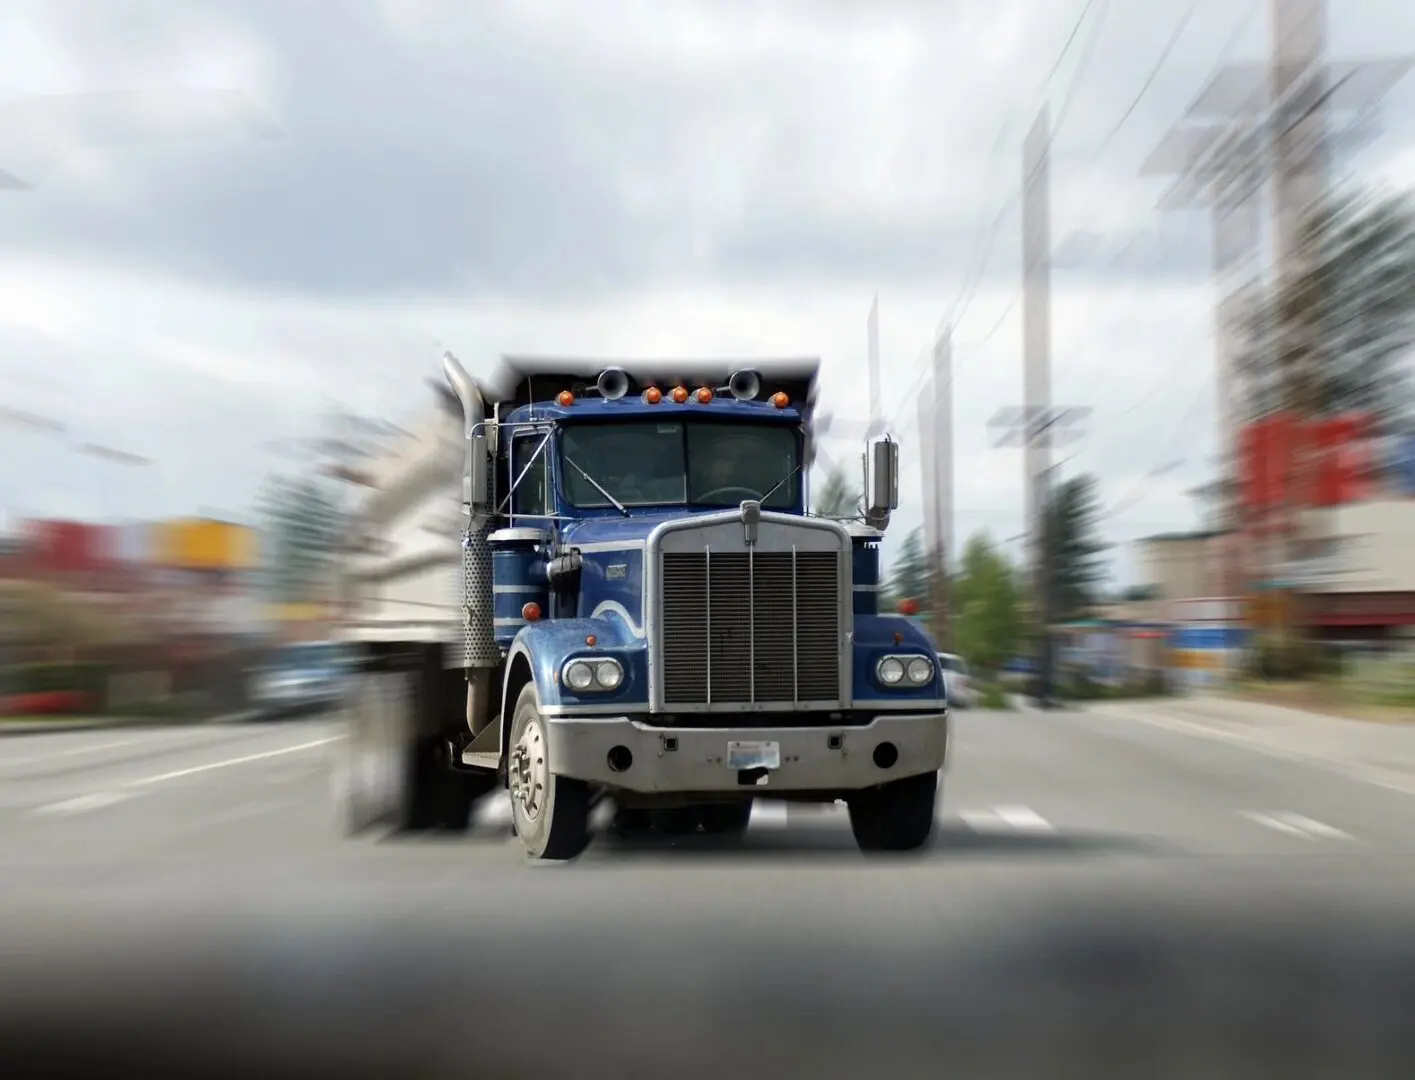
672 760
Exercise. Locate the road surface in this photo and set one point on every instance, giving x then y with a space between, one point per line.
1122 813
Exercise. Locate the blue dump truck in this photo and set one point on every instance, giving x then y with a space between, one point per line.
589 580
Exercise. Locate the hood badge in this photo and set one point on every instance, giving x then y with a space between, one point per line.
751 518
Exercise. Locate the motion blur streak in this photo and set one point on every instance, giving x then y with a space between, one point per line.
1136 986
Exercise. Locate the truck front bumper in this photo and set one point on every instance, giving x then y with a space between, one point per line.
681 760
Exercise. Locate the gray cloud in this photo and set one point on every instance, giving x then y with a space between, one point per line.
495 157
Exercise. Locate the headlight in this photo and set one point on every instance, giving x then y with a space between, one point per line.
905 671
593 674
919 671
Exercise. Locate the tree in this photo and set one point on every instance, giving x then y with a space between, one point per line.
1075 554
987 605
1333 337
839 497
302 522
911 577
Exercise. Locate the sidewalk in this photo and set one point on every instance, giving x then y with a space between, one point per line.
1282 729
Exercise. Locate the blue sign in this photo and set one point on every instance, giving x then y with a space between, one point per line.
1198 638
1400 464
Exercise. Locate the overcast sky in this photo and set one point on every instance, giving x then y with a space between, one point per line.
597 177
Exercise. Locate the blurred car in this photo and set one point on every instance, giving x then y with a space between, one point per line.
957 681
299 678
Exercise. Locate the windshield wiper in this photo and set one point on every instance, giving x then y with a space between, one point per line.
596 485
777 486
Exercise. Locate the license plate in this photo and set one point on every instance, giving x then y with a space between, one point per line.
753 755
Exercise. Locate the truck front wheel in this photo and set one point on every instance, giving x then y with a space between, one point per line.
551 813
897 816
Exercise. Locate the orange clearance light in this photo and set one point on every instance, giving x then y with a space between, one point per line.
590 640
531 612
680 394
653 395
780 400
704 395
908 606
566 399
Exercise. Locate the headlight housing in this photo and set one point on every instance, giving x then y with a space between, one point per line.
904 672
592 675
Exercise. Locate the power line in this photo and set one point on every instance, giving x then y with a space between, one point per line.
960 305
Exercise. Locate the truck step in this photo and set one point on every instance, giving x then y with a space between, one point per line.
482 759
487 740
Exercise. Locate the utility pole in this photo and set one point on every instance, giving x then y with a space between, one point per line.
936 461
1036 327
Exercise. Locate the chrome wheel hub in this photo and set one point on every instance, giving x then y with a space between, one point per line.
529 773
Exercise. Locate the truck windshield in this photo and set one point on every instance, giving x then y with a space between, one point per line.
705 463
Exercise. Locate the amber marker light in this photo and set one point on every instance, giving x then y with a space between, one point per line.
653 395
780 400
531 612
565 399
590 641
704 395
680 394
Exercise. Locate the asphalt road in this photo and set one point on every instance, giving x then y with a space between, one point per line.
222 837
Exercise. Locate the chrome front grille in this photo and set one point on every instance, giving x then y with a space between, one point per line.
743 627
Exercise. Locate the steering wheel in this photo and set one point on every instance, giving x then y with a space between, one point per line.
751 493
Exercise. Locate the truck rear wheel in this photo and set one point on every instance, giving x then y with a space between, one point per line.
551 813
897 816
392 775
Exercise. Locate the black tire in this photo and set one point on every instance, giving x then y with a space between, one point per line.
897 816
559 827
362 779
392 775
726 819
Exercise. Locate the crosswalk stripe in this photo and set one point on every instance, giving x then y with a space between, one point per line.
1011 818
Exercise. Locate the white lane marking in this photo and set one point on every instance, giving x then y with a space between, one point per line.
1316 828
177 774
100 799
84 803
768 814
1024 819
1278 825
1016 818
1381 778
37 759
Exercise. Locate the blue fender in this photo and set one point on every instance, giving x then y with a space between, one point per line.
875 638
546 646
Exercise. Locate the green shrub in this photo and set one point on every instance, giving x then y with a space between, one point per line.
994 696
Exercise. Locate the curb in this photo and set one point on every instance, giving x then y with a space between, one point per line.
56 727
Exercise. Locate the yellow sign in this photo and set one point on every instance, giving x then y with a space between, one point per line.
195 544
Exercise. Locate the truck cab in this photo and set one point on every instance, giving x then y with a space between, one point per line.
646 611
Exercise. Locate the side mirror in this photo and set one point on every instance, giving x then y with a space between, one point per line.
881 481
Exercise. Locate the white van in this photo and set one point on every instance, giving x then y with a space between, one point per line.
958 682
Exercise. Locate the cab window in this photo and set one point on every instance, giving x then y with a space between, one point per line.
529 497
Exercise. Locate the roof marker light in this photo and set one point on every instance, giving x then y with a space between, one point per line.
704 394
780 400
680 394
653 395
565 399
